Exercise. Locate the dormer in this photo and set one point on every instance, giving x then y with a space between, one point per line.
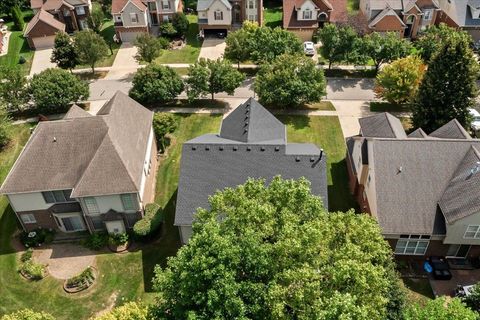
474 6
308 10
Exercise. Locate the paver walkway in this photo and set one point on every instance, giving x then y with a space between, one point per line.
65 260
41 61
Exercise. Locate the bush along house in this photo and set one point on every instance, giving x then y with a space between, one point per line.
423 189
84 172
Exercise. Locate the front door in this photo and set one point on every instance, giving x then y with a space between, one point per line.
154 18
115 227
458 250
236 14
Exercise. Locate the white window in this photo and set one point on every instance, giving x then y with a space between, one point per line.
427 15
251 4
412 245
66 12
307 14
165 4
91 205
252 17
134 17
28 218
127 201
57 196
80 10
218 15
83 24
473 232
165 19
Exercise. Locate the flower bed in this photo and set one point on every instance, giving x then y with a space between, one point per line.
82 281
118 242
29 269
37 237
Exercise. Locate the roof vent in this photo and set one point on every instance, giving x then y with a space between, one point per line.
249 148
321 154
194 148
399 169
221 148
475 169
54 139
277 148
262 148
207 148
246 123
235 148
297 159
312 159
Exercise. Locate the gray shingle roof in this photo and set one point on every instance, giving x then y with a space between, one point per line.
211 163
451 130
382 125
94 155
76 112
419 133
462 195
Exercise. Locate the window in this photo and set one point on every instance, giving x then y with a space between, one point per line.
427 15
128 202
165 4
152 6
165 19
307 14
473 232
57 196
134 17
252 17
91 205
218 15
28 218
66 12
412 244
83 24
97 222
251 4
80 10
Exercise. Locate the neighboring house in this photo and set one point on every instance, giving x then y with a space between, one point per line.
72 14
252 143
424 190
133 17
405 17
86 172
303 17
464 14
224 15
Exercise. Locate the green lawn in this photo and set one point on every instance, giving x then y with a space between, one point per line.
188 54
17 47
378 106
124 277
326 133
418 290
272 17
353 6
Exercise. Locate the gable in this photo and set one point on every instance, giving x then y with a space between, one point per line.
41 29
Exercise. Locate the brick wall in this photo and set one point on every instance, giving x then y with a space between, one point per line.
43 217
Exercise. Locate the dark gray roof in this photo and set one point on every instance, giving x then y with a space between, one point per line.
411 175
451 130
211 163
462 195
76 112
251 122
382 125
94 155
419 133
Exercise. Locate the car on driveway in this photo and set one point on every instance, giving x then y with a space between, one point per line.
475 126
309 48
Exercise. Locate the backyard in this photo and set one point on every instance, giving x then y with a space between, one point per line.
272 13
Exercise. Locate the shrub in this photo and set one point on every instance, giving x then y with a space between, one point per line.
84 279
168 30
148 47
5 126
36 237
33 270
118 239
130 310
180 23
27 255
22 60
27 314
96 241
150 222
163 124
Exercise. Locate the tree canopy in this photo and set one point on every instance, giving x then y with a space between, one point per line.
149 47
63 53
156 83
384 48
448 88
212 76
163 124
90 47
339 44
180 23
273 252
27 314
129 311
96 17
441 309
290 80
5 127
13 88
398 82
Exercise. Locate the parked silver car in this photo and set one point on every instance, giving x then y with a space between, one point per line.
309 48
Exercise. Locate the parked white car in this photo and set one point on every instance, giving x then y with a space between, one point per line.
475 121
309 48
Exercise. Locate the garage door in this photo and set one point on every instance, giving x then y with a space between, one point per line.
43 42
129 36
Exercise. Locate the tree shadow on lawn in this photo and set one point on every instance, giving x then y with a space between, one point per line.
159 251
8 225
296 121
339 196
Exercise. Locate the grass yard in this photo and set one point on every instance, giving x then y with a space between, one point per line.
188 54
326 133
197 103
377 106
17 47
418 290
353 6
272 13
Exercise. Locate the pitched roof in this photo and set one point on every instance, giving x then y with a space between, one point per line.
76 112
451 130
459 11
55 4
118 5
388 11
93 155
205 4
44 17
290 14
382 125
211 163
419 133
462 195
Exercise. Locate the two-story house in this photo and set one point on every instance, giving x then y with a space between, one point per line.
52 16
223 15
86 172
405 17
133 17
463 14
424 190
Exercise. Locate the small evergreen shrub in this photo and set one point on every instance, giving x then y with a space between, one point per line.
96 241
37 237
27 255
150 222
119 239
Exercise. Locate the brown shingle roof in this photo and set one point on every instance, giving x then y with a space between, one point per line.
290 15
95 155
44 17
118 5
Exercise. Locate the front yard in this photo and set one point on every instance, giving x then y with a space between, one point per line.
17 47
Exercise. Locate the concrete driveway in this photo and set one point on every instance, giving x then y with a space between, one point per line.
212 48
41 61
125 63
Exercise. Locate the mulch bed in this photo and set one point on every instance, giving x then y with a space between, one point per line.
82 288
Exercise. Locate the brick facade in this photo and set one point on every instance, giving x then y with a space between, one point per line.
44 220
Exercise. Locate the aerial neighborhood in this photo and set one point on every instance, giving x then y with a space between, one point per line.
239 159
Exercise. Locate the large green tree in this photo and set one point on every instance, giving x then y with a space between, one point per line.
290 80
96 17
7 5
398 82
212 76
433 39
27 314
64 54
384 48
237 49
180 23
5 127
90 47
441 309
339 44
54 90
156 83
149 47
274 252
163 124
448 88
13 88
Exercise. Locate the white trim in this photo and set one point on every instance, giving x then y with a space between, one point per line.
129 1
477 232
59 217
